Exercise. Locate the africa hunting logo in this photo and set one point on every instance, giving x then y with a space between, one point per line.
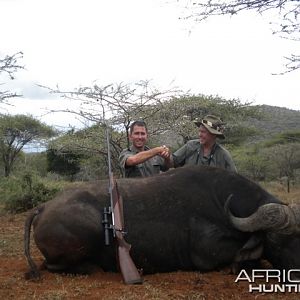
274 281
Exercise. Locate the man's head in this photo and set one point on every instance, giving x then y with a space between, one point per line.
213 124
138 134
210 127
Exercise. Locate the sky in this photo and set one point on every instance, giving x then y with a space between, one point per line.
72 43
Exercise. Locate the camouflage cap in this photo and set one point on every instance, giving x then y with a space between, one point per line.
213 124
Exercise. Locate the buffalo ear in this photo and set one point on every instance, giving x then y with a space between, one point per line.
252 250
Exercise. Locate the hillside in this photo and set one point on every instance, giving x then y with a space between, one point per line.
276 120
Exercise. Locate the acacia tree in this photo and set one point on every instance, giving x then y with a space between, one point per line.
177 116
168 114
118 104
115 106
86 149
8 66
287 24
18 131
67 163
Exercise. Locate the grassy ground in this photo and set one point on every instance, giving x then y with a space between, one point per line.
280 191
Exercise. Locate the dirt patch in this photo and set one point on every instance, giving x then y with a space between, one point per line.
100 285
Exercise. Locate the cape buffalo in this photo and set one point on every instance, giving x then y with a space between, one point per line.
190 218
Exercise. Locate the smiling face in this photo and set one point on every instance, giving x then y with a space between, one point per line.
139 137
206 138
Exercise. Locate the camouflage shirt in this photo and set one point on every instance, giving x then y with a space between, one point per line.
149 167
192 154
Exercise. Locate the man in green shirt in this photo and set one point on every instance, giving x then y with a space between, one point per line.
139 160
205 150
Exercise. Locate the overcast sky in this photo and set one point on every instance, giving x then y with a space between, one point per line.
72 43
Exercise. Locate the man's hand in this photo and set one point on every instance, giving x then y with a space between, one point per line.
165 153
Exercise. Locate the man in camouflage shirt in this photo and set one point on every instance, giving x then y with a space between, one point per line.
139 160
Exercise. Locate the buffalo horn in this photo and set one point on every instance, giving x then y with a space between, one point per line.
271 217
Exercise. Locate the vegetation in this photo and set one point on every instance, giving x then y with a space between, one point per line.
63 163
166 113
260 138
27 191
118 104
9 65
86 150
16 132
275 158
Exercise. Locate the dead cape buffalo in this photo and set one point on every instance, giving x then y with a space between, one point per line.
190 218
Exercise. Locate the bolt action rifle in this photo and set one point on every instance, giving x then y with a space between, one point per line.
128 269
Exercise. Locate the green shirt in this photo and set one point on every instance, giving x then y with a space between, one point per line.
192 154
149 167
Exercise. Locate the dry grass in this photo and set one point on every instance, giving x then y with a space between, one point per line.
279 190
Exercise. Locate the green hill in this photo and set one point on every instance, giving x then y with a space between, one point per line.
275 120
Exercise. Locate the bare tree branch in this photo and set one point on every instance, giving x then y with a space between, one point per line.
121 102
287 26
9 65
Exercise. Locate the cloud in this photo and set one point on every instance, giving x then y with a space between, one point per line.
74 43
28 89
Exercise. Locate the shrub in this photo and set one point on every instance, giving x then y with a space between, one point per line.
22 193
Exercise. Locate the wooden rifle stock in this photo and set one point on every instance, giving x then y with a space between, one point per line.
127 267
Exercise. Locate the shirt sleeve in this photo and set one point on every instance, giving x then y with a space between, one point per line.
179 156
123 157
229 164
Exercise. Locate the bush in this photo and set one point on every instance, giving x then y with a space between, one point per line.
22 193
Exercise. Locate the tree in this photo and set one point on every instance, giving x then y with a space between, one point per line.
250 162
119 104
168 114
287 159
63 163
88 147
283 138
178 113
288 12
9 65
284 150
18 131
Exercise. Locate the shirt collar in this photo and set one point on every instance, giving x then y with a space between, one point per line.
135 150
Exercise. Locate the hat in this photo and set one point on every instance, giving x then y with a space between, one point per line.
213 124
